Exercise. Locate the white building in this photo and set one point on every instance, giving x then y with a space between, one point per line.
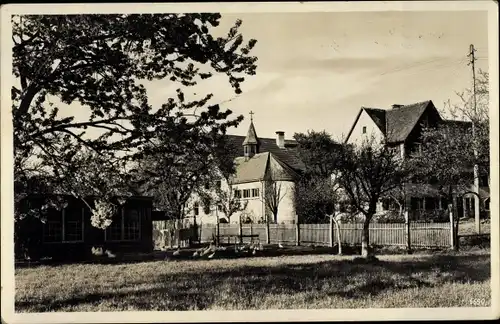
264 177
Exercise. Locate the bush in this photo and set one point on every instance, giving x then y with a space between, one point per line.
388 216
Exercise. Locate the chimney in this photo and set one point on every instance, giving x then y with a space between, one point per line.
396 106
280 139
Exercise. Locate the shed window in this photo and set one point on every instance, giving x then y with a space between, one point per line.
126 226
255 192
237 193
246 193
64 226
364 129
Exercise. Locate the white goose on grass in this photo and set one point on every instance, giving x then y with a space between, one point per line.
196 254
280 245
176 253
110 254
211 256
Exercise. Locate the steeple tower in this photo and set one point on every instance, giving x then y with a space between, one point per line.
251 142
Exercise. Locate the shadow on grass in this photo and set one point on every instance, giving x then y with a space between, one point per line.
245 286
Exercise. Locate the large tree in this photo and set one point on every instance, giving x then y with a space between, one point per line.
451 151
94 67
447 160
314 192
179 164
368 172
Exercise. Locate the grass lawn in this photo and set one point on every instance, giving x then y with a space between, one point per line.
280 282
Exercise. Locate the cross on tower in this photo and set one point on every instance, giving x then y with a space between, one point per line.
251 115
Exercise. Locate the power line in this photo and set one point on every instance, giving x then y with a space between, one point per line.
421 64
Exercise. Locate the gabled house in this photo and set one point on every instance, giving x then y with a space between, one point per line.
401 128
265 168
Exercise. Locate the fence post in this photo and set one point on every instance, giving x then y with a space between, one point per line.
297 233
268 231
240 231
331 231
408 231
452 228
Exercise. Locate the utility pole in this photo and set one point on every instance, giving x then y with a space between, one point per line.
473 119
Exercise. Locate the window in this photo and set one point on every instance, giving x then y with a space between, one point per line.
53 229
64 226
416 203
114 231
431 203
206 207
364 129
444 203
483 181
73 224
218 184
219 207
207 186
417 149
131 225
385 204
126 226
237 193
255 192
246 193
196 209
487 204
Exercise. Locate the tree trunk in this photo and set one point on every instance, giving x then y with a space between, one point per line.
365 239
339 238
217 238
456 221
331 232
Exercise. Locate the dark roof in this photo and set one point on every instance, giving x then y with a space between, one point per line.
396 123
458 123
378 116
401 121
288 155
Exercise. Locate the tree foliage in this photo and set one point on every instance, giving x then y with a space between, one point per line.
179 164
95 66
474 109
315 192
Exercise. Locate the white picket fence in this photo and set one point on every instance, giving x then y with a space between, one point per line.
392 234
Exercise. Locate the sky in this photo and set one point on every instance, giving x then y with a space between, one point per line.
316 69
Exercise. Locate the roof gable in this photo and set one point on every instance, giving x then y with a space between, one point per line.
401 121
396 123
376 114
250 169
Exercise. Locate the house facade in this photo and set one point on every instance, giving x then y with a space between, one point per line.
69 234
401 128
265 173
